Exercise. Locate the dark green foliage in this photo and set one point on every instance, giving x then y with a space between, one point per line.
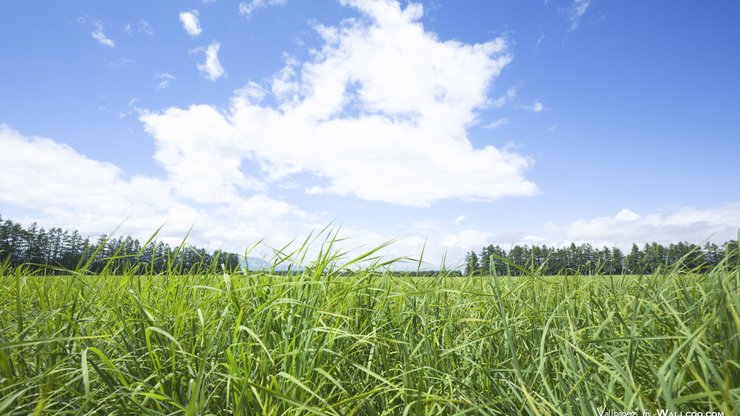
57 251
472 265
585 259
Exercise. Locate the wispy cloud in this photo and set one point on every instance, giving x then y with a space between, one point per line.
247 8
495 124
142 27
99 35
164 79
504 99
121 63
211 69
190 22
575 11
145 27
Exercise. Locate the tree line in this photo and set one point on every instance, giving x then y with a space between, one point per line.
586 259
57 251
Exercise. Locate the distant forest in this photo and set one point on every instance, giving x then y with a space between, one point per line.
586 259
57 250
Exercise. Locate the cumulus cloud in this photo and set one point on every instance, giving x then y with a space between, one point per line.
681 224
43 174
247 8
99 35
380 112
717 224
200 153
466 240
65 188
211 69
207 188
190 22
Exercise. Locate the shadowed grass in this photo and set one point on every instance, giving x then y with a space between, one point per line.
322 341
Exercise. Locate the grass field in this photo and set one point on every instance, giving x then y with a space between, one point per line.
369 343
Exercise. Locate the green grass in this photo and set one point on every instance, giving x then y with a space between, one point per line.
368 343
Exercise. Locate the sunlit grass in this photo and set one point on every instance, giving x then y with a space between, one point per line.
324 341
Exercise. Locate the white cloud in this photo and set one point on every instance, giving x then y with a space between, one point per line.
49 176
190 22
574 13
211 69
504 99
99 35
145 27
681 224
121 63
393 131
164 79
205 186
626 215
498 123
718 224
247 8
201 154
536 107
466 240
65 188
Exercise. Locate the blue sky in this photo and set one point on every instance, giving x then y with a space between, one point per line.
461 123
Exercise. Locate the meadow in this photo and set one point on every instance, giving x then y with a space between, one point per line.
325 341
